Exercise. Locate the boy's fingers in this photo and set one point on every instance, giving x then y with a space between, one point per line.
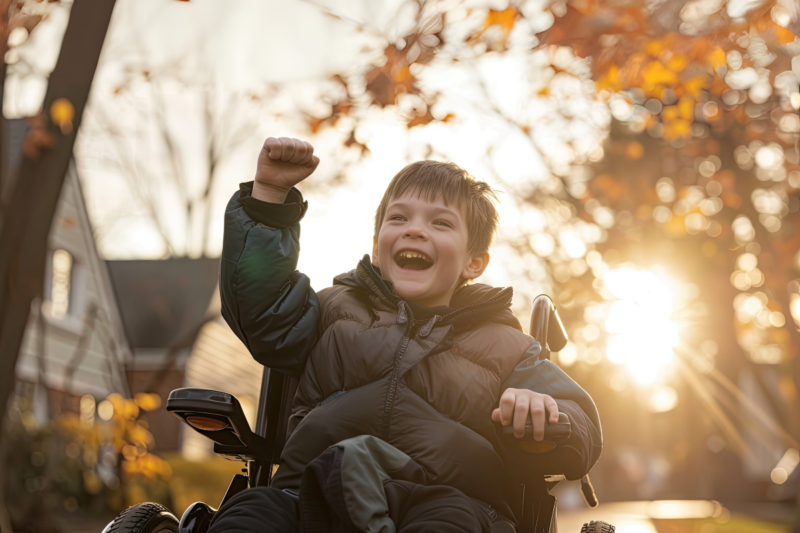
300 149
313 163
521 414
537 419
496 415
309 154
273 147
287 148
552 408
507 401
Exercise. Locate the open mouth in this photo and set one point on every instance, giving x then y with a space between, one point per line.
413 260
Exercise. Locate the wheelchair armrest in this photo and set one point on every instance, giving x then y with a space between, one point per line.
554 435
219 416
526 456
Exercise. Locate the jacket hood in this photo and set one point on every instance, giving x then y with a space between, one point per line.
469 305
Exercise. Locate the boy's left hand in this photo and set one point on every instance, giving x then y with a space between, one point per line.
516 404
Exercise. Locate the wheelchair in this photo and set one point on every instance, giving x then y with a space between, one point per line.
219 416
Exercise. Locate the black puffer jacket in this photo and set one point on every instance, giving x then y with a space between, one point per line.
424 380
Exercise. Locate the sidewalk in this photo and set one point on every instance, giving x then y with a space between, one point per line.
627 517
678 516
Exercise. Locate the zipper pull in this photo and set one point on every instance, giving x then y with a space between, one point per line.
402 317
427 328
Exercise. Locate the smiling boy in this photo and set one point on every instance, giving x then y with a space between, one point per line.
404 348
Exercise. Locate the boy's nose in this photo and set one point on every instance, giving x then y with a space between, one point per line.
414 232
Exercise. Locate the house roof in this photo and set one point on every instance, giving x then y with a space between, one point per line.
163 302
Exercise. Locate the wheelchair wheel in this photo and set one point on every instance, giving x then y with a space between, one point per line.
144 518
597 526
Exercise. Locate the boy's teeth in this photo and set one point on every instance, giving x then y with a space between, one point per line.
413 260
414 255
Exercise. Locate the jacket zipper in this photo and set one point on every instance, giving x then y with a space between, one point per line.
386 423
488 509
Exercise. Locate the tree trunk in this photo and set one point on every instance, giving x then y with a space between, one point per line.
26 222
5 6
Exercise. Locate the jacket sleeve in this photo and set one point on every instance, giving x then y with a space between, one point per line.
268 304
576 457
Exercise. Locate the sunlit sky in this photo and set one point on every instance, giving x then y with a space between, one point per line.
246 44
286 51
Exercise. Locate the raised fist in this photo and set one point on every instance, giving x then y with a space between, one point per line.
282 164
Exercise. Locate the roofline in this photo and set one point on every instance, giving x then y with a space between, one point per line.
105 287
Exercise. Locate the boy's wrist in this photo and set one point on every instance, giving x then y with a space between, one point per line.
276 214
272 194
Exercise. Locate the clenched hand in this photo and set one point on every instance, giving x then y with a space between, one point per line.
282 164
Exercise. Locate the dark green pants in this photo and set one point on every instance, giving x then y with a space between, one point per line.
413 508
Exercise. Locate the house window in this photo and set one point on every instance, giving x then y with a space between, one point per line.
60 284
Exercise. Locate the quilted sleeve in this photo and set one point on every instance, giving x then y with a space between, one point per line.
267 303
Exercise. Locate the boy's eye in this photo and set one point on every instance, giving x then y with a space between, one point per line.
396 217
443 223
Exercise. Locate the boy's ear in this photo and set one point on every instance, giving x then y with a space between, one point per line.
375 252
476 266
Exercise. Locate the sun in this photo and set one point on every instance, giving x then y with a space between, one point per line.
642 334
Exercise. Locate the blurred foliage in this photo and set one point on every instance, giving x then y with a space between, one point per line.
702 161
20 18
199 481
670 132
96 460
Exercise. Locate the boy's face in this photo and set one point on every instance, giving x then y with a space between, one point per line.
422 250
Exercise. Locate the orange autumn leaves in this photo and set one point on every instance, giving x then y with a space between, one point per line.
670 62
615 33
636 47
503 19
632 45
676 70
387 82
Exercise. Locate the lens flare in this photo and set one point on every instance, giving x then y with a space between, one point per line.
639 322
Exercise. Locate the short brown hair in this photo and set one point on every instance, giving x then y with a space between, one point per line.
431 180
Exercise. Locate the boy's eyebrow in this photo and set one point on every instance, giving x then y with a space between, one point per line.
436 209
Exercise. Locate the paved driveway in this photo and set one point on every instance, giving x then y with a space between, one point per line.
627 517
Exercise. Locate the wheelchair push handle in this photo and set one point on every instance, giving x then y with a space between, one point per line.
546 326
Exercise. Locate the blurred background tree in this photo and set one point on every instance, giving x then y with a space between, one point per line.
666 228
29 193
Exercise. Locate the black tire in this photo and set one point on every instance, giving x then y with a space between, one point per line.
597 526
144 518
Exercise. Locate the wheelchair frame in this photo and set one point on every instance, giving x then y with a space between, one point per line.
219 416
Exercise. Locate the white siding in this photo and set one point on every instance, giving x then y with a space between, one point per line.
219 361
100 368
